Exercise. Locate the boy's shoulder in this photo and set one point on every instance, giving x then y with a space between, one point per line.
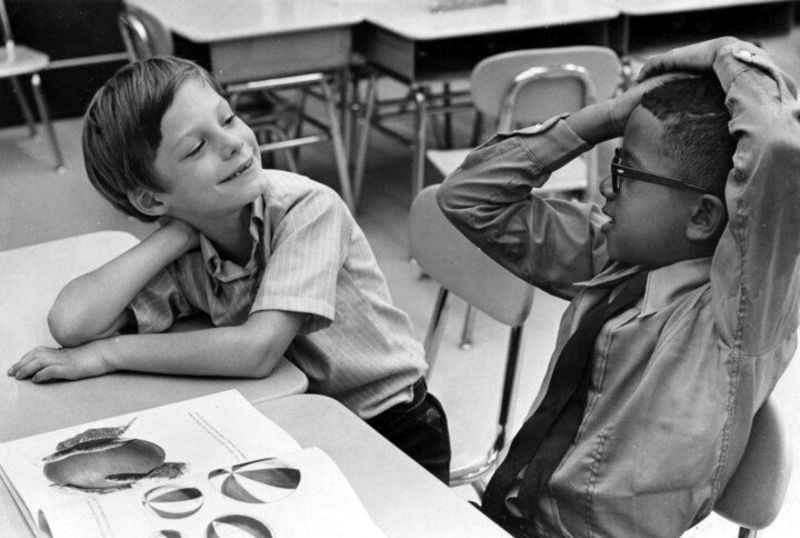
284 189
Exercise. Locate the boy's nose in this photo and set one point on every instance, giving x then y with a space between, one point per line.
232 145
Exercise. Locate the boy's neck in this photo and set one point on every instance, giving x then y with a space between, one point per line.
231 236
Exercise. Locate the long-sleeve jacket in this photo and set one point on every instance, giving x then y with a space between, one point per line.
677 379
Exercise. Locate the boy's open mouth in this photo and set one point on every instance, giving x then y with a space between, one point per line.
239 171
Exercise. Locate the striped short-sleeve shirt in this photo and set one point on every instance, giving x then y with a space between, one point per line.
309 256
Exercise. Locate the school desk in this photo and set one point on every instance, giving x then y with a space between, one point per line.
654 24
423 48
255 39
32 277
401 497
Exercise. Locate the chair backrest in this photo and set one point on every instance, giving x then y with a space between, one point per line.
528 86
143 34
450 259
754 495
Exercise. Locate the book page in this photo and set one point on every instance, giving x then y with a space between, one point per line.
300 494
136 451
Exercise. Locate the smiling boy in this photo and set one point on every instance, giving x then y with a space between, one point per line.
661 411
273 260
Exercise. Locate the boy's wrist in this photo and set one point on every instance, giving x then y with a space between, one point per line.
182 236
593 123
104 351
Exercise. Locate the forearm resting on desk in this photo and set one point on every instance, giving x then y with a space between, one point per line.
252 349
92 306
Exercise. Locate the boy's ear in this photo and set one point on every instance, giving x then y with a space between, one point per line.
148 202
707 218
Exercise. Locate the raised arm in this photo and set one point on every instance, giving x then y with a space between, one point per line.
754 274
550 243
93 305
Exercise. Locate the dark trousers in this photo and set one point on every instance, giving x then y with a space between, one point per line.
419 428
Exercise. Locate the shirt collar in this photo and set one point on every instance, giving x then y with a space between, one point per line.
225 270
664 284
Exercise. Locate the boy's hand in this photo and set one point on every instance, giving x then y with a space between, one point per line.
606 120
621 106
181 228
47 363
696 57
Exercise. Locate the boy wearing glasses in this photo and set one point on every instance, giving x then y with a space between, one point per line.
646 407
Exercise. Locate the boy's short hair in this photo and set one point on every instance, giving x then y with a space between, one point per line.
122 126
695 119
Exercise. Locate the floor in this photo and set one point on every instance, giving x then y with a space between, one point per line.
37 204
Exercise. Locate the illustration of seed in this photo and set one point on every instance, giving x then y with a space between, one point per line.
173 502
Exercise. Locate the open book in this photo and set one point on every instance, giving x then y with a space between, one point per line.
208 467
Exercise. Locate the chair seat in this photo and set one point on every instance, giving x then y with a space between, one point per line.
24 61
570 177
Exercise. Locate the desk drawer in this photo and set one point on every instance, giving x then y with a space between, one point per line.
280 55
419 60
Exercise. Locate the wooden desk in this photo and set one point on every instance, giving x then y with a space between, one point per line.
400 496
32 277
419 47
648 24
254 39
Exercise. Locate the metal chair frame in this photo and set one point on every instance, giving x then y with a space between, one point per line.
18 60
462 269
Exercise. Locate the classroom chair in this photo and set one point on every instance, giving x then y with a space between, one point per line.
16 61
276 120
462 269
525 87
754 495
425 99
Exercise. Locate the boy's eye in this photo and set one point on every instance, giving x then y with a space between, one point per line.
229 119
196 149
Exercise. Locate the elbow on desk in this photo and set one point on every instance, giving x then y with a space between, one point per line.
68 328
257 359
264 364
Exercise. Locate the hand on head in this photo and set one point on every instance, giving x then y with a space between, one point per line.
695 57
621 106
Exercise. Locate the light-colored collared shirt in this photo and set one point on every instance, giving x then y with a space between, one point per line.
309 256
677 378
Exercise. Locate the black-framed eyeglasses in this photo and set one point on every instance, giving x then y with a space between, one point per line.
619 172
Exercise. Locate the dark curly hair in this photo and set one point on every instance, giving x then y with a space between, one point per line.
695 120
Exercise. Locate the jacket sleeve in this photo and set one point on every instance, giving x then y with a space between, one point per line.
754 274
548 242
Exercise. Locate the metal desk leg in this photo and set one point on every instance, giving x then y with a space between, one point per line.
365 124
338 147
420 139
24 106
36 85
